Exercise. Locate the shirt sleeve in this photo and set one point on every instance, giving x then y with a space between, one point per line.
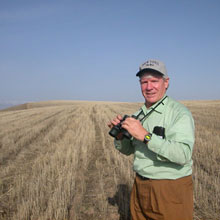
124 146
177 146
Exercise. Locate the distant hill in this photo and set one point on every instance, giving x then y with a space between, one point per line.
4 106
8 104
40 104
10 107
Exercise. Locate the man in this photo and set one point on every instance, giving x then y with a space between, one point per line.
162 144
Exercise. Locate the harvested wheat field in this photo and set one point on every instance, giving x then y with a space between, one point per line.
57 162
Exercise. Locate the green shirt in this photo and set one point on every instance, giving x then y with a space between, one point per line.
168 158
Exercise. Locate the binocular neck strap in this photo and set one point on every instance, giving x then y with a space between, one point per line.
148 114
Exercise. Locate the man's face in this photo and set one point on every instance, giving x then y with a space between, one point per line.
153 87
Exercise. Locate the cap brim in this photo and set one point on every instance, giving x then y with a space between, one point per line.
148 70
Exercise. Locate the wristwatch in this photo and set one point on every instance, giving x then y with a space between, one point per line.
147 138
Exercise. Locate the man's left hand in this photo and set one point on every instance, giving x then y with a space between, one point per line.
135 128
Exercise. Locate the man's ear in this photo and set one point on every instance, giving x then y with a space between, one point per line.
167 82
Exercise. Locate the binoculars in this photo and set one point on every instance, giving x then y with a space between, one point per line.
117 129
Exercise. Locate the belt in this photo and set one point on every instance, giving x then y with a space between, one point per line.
142 177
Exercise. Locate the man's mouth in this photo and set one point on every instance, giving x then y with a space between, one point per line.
150 94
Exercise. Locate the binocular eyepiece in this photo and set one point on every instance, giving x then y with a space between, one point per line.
117 129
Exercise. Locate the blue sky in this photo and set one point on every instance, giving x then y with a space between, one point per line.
91 50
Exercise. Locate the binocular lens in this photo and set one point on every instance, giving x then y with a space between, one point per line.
114 131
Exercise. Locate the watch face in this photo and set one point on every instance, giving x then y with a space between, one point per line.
147 137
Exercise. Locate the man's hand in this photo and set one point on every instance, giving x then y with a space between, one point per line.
135 128
114 122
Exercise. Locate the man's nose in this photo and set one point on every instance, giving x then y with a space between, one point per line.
149 86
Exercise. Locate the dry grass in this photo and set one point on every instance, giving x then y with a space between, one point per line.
57 161
207 158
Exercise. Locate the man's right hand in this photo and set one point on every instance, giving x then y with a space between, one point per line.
115 121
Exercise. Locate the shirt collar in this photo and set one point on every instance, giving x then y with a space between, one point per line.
158 109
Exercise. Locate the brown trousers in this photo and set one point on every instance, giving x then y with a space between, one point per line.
162 199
